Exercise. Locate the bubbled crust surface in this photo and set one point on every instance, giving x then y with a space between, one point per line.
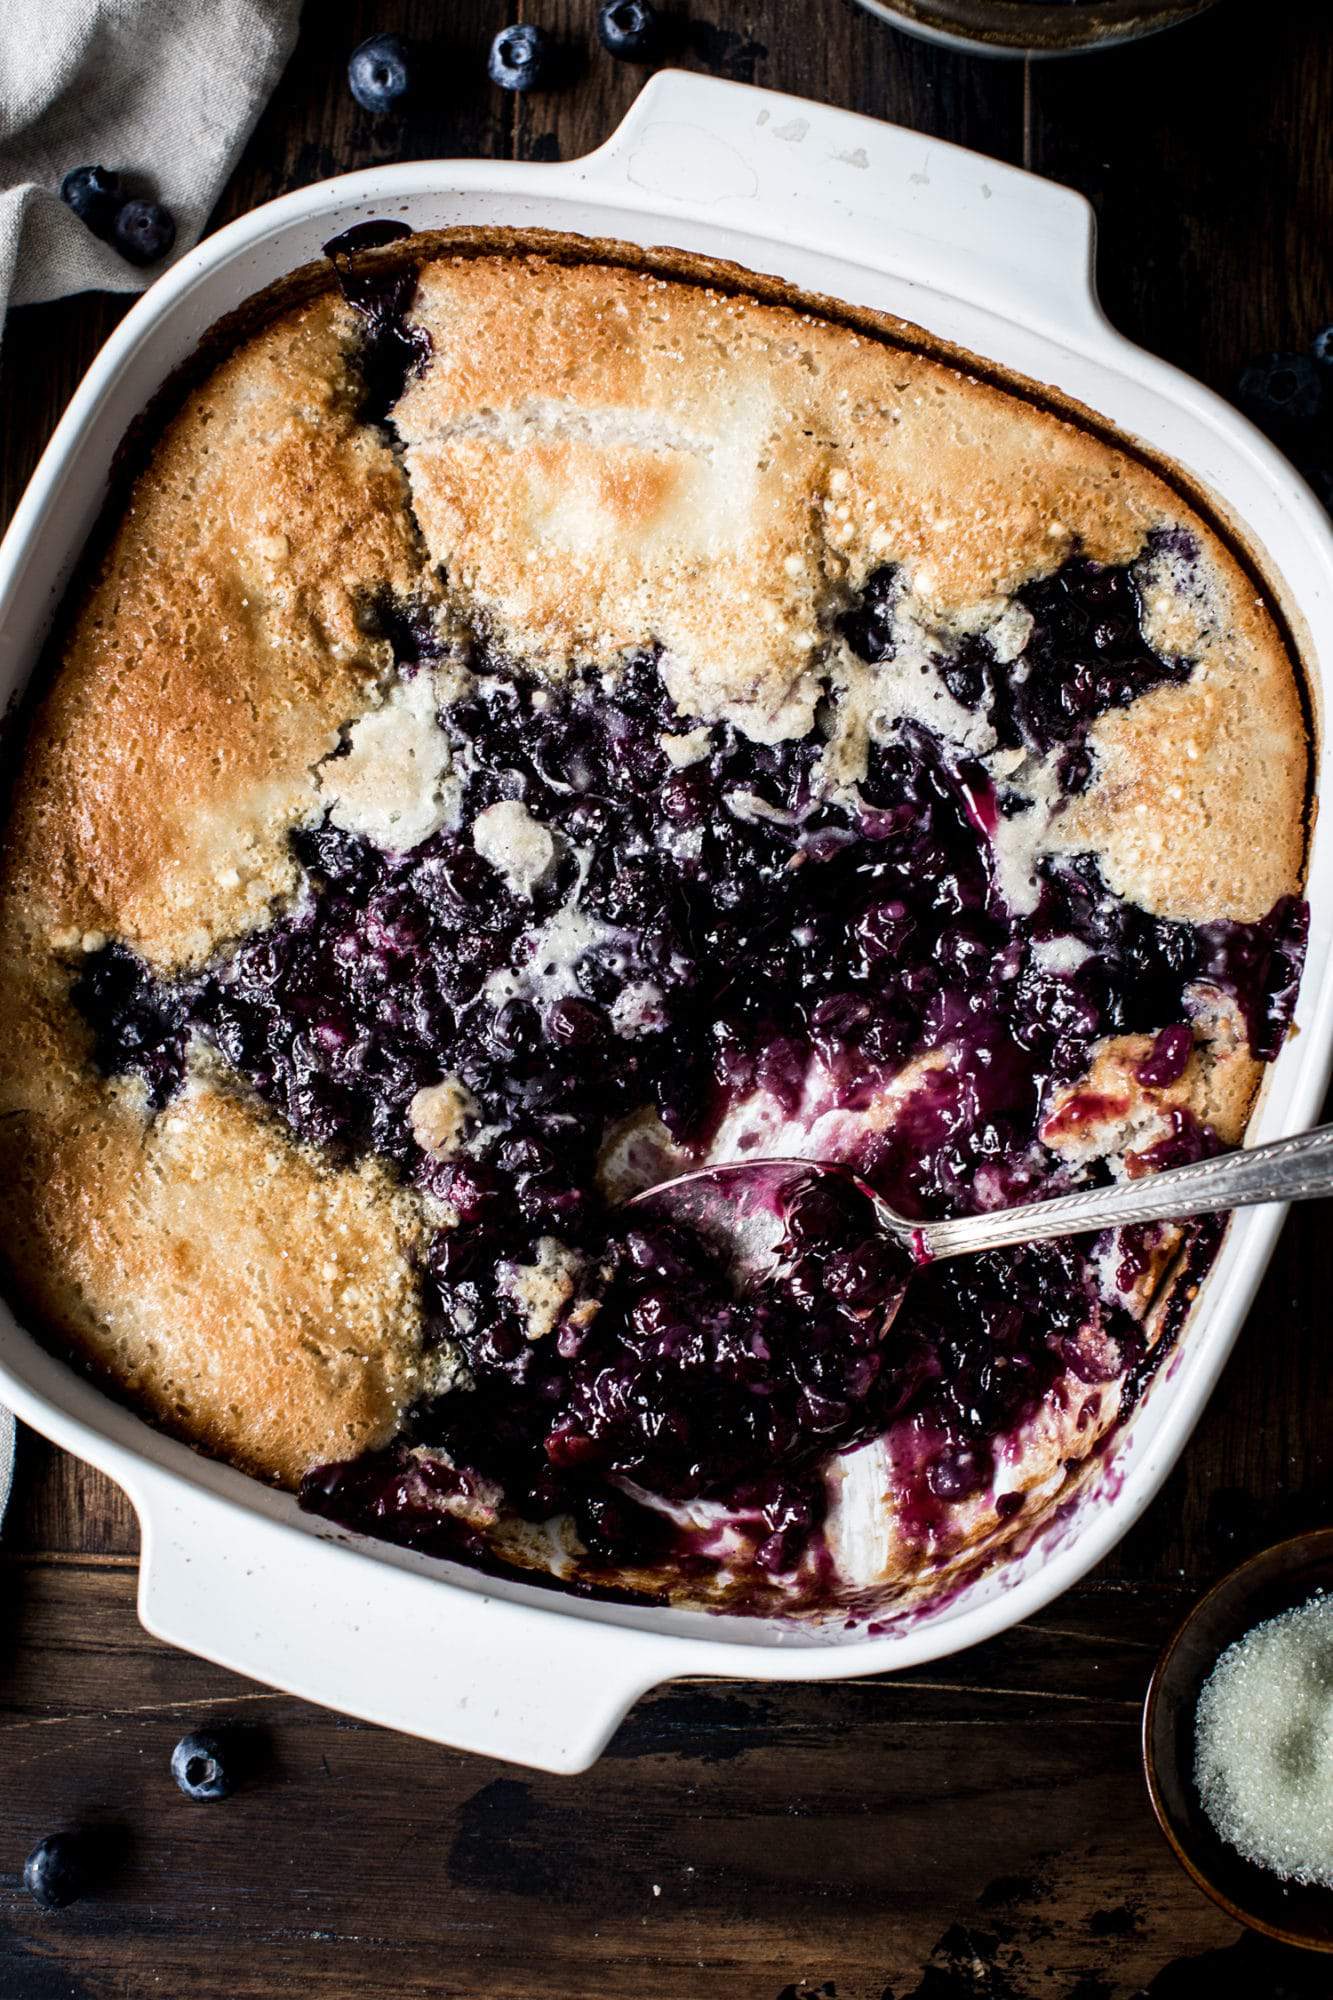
250 1299
217 654
1197 806
597 457
602 458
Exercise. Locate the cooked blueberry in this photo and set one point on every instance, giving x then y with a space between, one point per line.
684 796
965 674
522 57
525 1156
144 231
204 1764
1075 769
94 193
817 1212
883 929
617 1530
514 1030
574 1024
868 626
1282 392
379 73
1168 1058
630 29
864 1276
139 1024
58 1870
955 1472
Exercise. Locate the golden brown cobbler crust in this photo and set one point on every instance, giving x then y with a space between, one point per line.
596 457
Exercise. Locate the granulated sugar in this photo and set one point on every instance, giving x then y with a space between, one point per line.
1264 1744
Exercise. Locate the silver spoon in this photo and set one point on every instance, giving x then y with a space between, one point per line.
1295 1169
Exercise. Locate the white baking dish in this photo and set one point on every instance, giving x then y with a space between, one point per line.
981 255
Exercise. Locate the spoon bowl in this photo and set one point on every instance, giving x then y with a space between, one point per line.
750 1211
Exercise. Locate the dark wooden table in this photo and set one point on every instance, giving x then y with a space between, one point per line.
975 1831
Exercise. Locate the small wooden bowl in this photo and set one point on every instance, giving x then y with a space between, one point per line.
1025 27
1276 1580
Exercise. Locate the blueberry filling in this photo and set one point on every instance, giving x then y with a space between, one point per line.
1086 653
393 348
140 1025
707 922
868 626
409 628
679 1382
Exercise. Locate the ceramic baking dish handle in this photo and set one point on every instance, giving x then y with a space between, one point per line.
901 203
536 1686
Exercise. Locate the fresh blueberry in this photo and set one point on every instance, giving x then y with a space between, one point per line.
1281 392
1322 347
522 57
94 195
56 1873
379 73
203 1764
629 29
144 231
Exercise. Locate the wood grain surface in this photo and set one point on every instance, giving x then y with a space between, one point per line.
975 1831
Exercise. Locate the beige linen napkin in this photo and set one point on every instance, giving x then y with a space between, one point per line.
166 90
163 91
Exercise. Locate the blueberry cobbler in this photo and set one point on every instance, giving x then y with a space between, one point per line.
543 721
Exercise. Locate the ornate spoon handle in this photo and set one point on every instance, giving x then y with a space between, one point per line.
1294 1169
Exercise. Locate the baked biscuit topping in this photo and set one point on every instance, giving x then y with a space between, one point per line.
689 728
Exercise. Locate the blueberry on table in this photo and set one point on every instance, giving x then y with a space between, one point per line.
95 196
56 1873
379 74
629 29
1281 391
522 57
144 231
1322 347
204 1764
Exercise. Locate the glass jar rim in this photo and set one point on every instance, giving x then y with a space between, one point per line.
1038 26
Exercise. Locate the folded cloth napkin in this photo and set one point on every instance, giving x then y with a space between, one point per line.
163 91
